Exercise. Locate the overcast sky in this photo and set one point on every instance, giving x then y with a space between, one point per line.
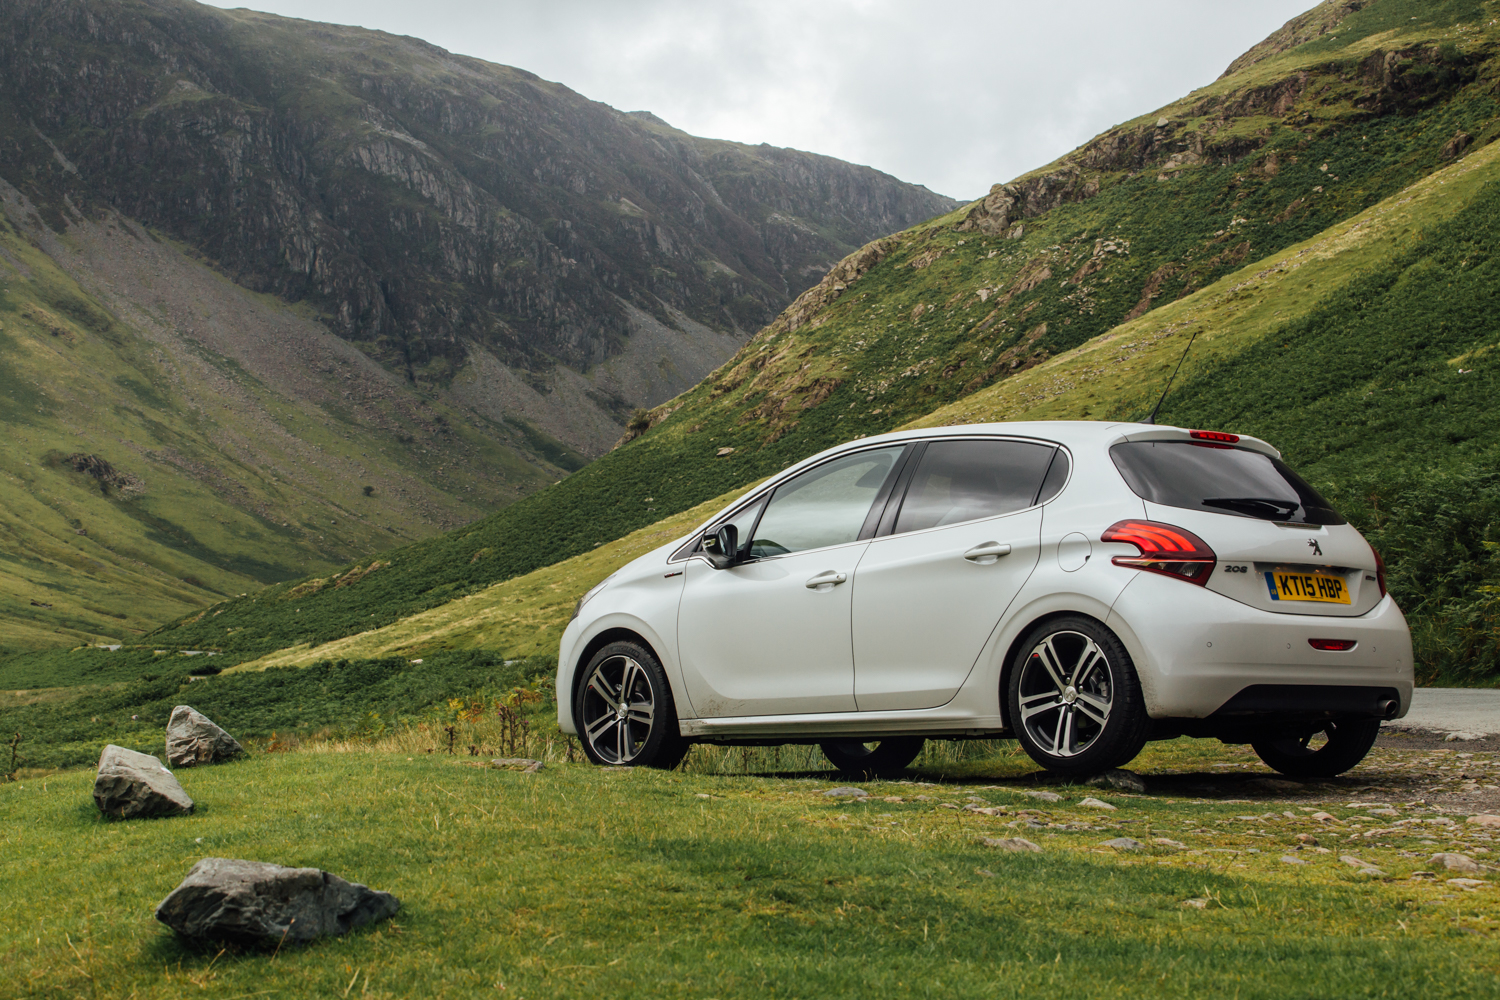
953 94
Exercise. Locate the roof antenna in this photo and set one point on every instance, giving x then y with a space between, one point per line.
1157 408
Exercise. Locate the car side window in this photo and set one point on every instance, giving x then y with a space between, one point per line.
823 506
960 481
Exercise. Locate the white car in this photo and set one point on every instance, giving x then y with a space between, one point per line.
1082 587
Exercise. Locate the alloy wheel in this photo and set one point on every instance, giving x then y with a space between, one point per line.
1066 693
619 706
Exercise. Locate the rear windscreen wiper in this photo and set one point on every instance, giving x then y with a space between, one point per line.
1267 507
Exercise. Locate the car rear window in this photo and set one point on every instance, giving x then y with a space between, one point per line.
1222 479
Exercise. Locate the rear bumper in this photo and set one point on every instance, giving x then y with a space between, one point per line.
1198 652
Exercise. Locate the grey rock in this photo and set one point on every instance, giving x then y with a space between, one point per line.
1274 785
849 793
1010 843
1092 803
1127 781
252 902
192 740
1291 860
133 785
1456 862
1462 737
1043 796
523 764
1123 844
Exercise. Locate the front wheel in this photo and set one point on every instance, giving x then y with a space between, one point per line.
869 760
624 710
1075 701
1347 742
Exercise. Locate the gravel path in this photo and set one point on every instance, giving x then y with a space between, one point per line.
1470 712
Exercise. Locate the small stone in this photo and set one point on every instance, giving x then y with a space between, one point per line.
893 798
1162 122
1127 781
1462 737
723 451
1456 862
1044 796
1307 839
1467 883
1291 860
1167 842
1385 812
1350 859
251 902
1486 819
1093 803
1123 844
846 793
1422 875
1010 843
1323 817
1371 871
134 785
704 795
522 764
1196 904
192 740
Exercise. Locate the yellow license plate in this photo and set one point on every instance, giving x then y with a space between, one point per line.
1292 586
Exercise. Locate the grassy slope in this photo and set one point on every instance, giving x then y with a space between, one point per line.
243 484
944 312
631 883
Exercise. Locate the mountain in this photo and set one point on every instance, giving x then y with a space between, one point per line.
276 295
1321 217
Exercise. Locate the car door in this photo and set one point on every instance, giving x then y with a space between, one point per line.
963 540
770 635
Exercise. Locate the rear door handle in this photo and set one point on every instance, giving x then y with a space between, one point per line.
987 552
826 580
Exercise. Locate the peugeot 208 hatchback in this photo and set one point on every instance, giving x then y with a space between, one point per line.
1081 587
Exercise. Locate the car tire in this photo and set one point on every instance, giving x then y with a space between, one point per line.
644 732
1349 740
1073 698
863 760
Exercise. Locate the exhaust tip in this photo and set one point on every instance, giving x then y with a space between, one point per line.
1387 708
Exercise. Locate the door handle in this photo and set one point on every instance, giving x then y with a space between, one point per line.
987 552
826 580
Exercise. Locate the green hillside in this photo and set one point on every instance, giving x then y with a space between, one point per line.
1176 209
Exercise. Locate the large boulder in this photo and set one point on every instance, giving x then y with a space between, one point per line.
192 739
252 902
132 785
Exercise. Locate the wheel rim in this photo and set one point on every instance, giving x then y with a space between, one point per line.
619 706
1301 746
1067 690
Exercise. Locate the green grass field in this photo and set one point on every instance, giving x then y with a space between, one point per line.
696 883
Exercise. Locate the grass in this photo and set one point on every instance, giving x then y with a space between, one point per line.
635 883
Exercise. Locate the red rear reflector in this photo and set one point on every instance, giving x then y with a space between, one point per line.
1165 549
1219 436
1333 645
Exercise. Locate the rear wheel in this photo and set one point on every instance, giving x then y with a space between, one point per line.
1342 745
868 760
624 710
1075 701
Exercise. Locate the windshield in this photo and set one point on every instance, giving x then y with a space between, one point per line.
1220 478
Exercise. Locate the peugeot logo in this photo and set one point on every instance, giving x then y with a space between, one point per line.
1313 544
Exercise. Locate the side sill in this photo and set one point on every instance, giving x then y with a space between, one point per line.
873 725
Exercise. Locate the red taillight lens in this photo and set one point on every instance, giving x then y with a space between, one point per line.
1218 436
1379 569
1332 645
1165 549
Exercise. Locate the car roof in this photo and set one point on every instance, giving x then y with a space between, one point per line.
1073 433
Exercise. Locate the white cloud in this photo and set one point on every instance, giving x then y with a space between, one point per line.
954 94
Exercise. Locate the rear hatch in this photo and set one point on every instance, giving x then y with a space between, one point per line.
1280 546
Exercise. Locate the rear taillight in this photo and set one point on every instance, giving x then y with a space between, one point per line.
1165 549
1379 569
1332 645
1218 436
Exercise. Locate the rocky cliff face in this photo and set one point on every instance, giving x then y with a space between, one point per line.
422 202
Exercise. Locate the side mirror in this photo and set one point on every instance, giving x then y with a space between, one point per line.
723 546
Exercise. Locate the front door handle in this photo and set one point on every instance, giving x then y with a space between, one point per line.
987 552
826 580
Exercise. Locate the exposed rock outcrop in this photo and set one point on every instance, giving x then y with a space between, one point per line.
133 785
252 902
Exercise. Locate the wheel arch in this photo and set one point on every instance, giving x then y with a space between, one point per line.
1007 665
598 642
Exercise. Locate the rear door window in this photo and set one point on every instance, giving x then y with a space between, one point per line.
1221 478
958 481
